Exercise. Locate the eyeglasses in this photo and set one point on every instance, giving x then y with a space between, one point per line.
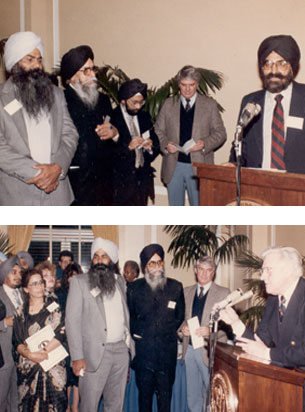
153 264
279 64
136 103
37 283
87 70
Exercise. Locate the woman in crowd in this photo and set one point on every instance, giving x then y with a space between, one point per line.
62 294
38 391
48 272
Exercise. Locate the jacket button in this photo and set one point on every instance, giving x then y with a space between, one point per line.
292 343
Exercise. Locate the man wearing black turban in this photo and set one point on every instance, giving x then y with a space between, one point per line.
278 62
136 148
91 168
156 306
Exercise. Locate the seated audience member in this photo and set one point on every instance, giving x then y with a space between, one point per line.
48 273
38 390
64 259
26 260
91 168
131 271
275 138
136 147
38 137
10 281
195 117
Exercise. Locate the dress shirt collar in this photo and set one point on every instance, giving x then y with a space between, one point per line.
206 287
288 293
192 100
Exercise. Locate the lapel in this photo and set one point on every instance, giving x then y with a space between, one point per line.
10 308
55 125
211 299
297 106
189 299
175 123
293 309
199 116
258 123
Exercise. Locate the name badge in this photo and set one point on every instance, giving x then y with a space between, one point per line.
52 307
171 304
13 107
95 292
295 122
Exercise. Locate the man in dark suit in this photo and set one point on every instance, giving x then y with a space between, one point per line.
199 301
266 143
280 335
10 295
156 306
194 120
91 168
37 136
136 147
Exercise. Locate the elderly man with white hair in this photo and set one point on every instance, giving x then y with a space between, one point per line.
97 324
37 136
280 335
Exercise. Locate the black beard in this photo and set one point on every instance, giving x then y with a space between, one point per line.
276 87
34 90
103 277
155 282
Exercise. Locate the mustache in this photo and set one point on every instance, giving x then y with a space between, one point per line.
278 75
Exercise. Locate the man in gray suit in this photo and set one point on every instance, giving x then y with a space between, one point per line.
37 136
199 300
97 325
10 281
193 120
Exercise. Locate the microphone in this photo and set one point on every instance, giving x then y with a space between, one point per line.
249 112
232 299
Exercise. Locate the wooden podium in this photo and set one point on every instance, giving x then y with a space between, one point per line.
217 187
243 385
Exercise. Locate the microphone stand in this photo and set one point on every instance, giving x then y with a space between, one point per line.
238 151
213 325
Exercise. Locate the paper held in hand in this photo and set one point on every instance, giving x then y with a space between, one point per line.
186 147
39 340
197 341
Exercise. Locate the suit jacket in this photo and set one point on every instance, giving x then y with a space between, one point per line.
16 164
2 316
216 294
6 332
154 320
126 177
252 145
285 339
86 322
208 126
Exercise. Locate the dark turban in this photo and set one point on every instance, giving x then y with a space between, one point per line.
149 251
73 60
132 87
7 266
283 45
27 257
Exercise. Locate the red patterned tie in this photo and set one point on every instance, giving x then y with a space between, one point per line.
282 308
278 136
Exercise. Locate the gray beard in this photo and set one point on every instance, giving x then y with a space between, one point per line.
155 282
103 277
88 95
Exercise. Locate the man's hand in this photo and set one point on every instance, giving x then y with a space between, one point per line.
254 347
135 142
171 148
229 316
203 331
9 321
48 178
147 144
198 146
106 131
185 330
79 365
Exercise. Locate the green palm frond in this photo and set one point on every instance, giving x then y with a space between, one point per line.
252 316
110 79
4 244
230 247
2 44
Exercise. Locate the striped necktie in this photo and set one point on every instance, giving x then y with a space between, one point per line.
201 292
188 105
278 136
282 308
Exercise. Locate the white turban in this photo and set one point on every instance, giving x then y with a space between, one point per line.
19 45
109 247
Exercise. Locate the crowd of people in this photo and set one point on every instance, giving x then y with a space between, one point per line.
101 323
74 147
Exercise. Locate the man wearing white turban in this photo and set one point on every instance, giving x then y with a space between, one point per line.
37 136
97 325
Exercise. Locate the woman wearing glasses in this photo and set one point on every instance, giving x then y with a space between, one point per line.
38 390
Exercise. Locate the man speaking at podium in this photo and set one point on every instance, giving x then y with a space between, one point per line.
280 335
275 137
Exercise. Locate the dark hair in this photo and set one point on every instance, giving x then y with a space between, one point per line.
26 276
134 266
65 253
68 272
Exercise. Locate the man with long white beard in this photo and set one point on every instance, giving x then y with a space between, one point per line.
91 171
97 324
37 136
156 306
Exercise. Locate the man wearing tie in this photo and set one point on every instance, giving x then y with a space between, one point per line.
10 281
199 300
275 139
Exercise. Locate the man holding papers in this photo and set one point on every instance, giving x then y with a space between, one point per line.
192 122
199 300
